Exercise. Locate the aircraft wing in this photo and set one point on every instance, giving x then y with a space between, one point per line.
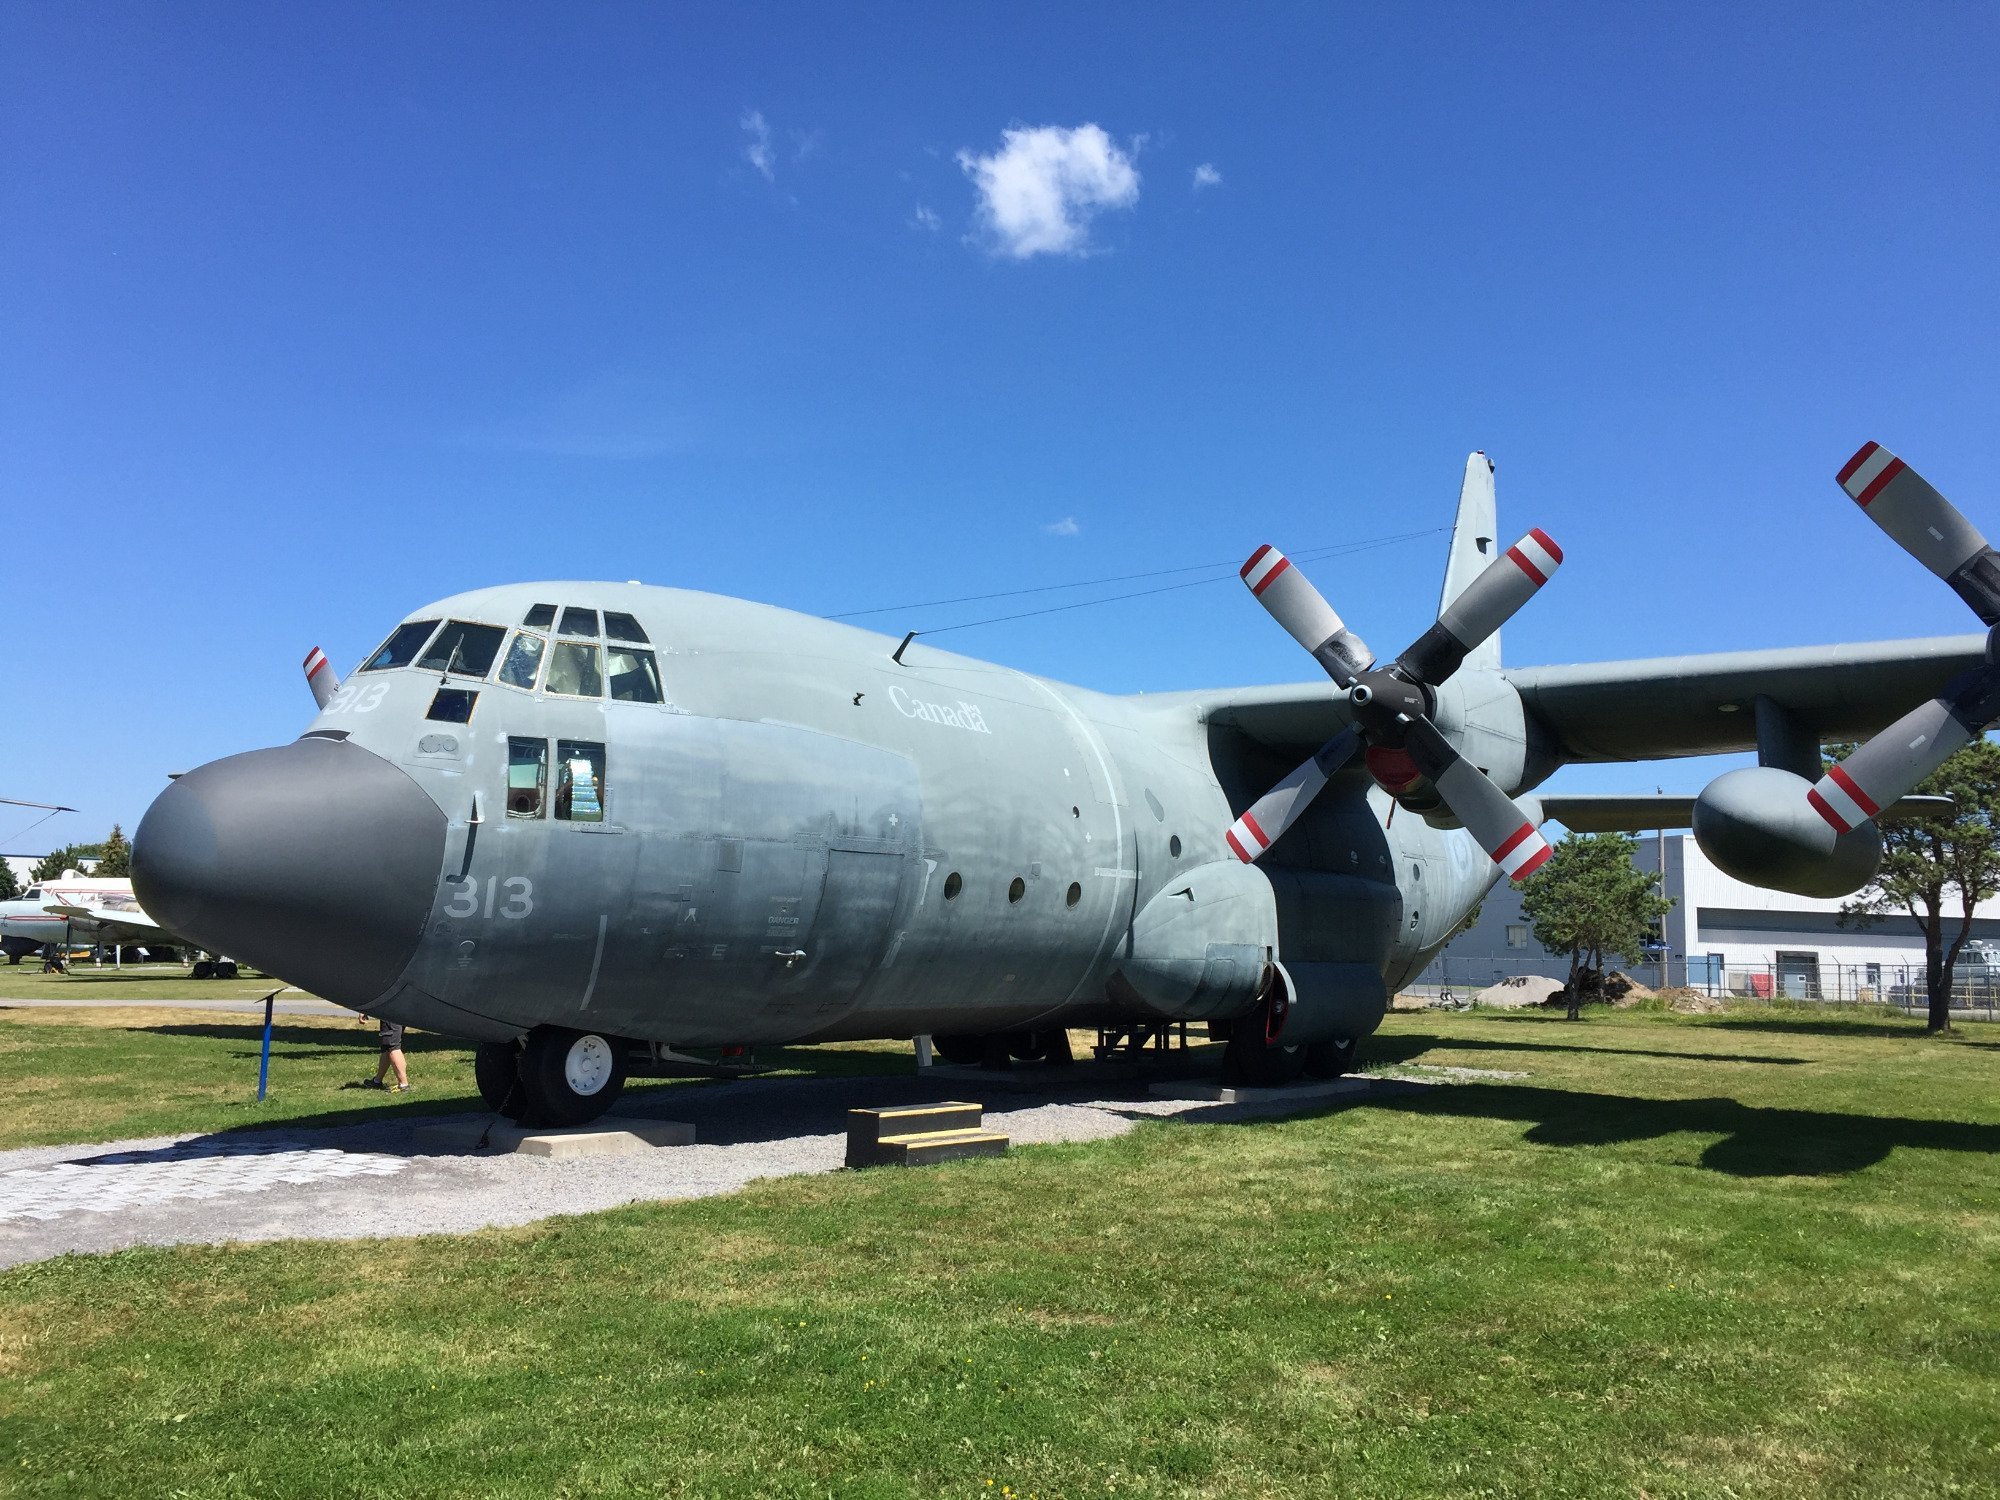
1293 717
1705 705
1655 708
127 923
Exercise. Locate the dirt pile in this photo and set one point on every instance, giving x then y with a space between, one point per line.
1691 1002
1519 991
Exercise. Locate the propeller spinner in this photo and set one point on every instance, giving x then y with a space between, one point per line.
1931 529
1391 707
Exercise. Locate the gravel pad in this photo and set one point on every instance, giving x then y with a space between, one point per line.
374 1180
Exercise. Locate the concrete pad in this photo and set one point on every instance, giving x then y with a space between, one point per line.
600 1139
1291 1093
1044 1078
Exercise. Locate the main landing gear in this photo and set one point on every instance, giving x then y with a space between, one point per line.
1257 1059
554 1076
1002 1049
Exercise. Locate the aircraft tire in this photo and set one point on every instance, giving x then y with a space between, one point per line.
962 1050
570 1077
226 969
1329 1059
203 969
1254 1063
496 1068
1027 1046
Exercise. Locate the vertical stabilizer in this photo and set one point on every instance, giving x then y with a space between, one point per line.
1473 537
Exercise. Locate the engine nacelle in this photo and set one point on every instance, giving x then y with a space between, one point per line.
1325 1002
1200 948
1756 825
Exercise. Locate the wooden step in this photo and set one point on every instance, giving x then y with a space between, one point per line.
868 1126
937 1145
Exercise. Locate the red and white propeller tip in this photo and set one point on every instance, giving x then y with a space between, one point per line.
1291 600
1931 529
1916 517
1481 608
1889 766
1489 814
321 677
1266 820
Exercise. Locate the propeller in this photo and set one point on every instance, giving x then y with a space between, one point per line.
321 677
1931 529
1391 707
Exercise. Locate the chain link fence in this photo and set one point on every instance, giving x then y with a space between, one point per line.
1797 979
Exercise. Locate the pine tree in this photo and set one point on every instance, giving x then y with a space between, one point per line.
116 860
10 885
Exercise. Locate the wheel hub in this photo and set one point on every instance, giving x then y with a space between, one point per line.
587 1065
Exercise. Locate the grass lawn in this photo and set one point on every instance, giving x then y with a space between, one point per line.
1747 1255
150 983
109 1073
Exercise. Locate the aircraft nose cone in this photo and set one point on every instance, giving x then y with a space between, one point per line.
316 861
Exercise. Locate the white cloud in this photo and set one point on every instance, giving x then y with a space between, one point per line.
924 219
1067 526
1206 176
757 150
1040 190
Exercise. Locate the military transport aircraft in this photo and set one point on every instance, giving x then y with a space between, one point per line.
588 824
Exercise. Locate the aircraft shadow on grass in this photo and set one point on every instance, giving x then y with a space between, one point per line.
1895 1030
1404 1046
1756 1141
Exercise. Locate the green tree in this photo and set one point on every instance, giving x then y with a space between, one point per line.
69 857
10 886
1940 867
116 860
1590 900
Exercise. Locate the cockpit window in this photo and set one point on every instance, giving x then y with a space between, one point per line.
452 706
635 676
465 648
579 621
619 627
402 647
579 781
32 893
527 777
574 670
524 660
540 617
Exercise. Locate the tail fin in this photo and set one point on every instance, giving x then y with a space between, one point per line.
1472 548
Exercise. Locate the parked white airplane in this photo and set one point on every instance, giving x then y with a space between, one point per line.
80 910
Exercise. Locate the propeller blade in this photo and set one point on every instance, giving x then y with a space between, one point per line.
1888 766
1487 603
321 677
1271 814
1489 814
1295 604
1926 525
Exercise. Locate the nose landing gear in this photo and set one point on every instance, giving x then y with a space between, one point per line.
555 1076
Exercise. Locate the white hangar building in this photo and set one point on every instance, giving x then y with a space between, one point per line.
1726 937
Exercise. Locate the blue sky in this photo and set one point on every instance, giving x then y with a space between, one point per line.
310 314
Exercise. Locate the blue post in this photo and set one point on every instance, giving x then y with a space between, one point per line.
264 1064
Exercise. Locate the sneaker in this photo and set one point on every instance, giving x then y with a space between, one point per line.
371 1083
401 1088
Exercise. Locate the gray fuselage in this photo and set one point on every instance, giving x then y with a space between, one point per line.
807 840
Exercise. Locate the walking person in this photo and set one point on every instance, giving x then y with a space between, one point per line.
392 1058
